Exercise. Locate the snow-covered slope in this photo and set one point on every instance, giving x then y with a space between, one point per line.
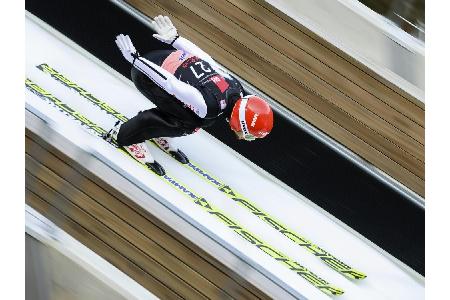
386 279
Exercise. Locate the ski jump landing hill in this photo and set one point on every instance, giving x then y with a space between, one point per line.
236 223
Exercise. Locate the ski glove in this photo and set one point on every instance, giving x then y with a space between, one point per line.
165 31
127 48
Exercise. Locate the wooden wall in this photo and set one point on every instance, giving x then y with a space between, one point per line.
113 226
353 105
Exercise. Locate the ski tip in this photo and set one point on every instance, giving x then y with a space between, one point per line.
331 290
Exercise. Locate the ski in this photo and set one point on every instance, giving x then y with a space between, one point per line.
329 259
202 202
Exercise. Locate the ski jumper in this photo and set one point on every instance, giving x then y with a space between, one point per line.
189 89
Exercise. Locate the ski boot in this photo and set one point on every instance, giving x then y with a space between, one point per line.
141 153
138 151
111 135
165 145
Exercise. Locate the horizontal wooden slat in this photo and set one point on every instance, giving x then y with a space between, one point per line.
315 57
400 157
273 49
119 242
98 246
345 64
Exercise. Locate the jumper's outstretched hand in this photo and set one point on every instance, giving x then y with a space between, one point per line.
165 31
126 47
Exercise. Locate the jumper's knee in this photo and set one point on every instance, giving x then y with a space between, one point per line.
121 139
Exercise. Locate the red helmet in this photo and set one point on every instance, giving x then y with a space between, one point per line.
251 117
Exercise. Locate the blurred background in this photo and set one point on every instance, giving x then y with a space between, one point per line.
409 15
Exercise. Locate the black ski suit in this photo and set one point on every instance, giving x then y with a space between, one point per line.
173 117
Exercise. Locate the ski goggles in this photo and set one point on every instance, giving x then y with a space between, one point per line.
246 135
